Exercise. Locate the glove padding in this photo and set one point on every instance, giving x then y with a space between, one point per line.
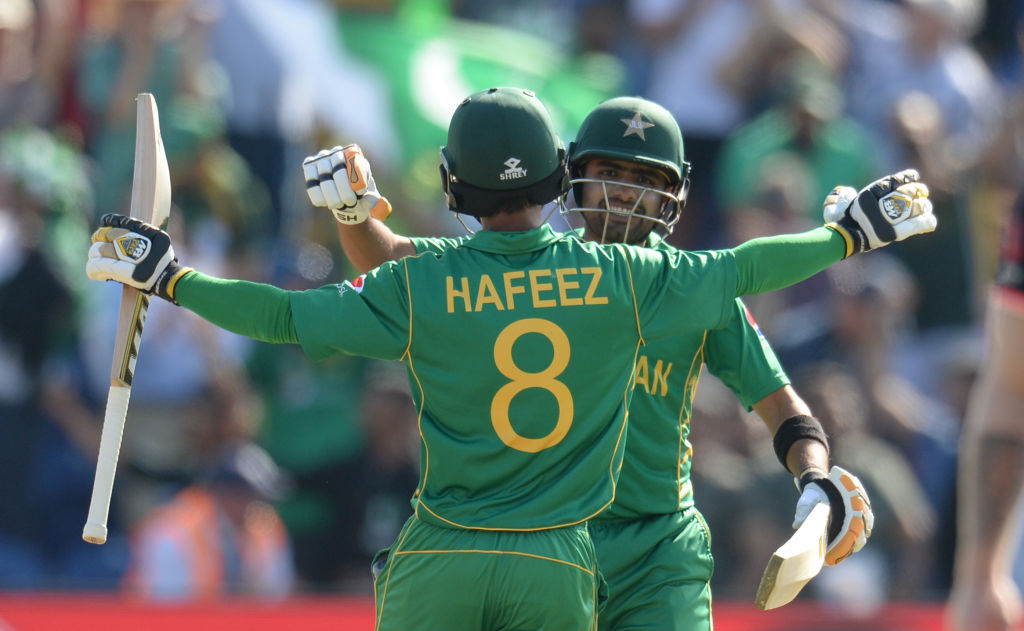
340 179
135 253
851 517
889 209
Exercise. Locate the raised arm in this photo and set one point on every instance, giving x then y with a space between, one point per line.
340 179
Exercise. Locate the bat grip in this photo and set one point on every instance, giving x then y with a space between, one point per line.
95 530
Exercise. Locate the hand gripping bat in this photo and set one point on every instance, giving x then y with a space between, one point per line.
151 202
795 562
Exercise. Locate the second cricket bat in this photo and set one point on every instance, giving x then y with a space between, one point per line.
795 562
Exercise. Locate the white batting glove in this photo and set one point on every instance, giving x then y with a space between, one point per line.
889 209
340 179
851 519
135 253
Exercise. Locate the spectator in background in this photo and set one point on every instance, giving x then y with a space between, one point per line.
803 123
906 556
941 118
929 39
132 46
373 490
868 330
50 426
294 95
311 427
709 61
37 40
991 472
216 537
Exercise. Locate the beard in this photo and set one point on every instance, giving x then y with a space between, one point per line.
610 227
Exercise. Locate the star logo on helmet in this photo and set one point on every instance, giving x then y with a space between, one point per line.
636 126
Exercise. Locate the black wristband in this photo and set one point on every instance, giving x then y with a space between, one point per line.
859 240
167 282
797 428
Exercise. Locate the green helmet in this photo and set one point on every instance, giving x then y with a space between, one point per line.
633 129
501 145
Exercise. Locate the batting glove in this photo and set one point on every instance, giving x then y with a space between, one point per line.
889 209
135 253
851 517
340 179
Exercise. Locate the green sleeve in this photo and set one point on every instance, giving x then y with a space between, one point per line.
741 357
770 263
262 312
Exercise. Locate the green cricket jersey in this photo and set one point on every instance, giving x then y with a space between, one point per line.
520 349
655 476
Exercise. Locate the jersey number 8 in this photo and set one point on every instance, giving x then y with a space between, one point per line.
521 380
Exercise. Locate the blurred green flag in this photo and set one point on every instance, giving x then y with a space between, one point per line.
431 62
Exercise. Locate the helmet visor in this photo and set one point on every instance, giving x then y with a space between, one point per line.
622 212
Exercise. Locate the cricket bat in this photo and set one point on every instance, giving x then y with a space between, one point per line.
151 202
795 562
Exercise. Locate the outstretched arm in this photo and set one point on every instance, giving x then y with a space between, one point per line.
340 179
771 263
130 251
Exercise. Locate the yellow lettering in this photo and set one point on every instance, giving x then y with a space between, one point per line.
565 285
536 286
511 290
661 378
487 294
641 374
590 298
454 293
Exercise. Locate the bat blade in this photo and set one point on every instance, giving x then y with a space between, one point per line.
151 202
795 562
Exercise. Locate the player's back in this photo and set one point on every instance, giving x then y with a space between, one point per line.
521 353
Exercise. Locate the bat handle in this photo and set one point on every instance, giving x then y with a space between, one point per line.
95 530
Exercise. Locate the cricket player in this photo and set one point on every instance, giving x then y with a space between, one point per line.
629 176
991 470
518 357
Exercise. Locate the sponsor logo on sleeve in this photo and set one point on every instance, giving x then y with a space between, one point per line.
356 285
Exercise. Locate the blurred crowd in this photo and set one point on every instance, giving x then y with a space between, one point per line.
259 472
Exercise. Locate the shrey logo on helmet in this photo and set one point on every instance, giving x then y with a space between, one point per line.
520 135
512 170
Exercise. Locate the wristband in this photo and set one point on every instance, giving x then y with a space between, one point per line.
167 282
797 428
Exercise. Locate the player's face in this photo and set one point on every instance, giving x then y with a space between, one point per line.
626 198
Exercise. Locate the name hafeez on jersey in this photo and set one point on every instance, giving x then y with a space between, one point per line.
540 288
